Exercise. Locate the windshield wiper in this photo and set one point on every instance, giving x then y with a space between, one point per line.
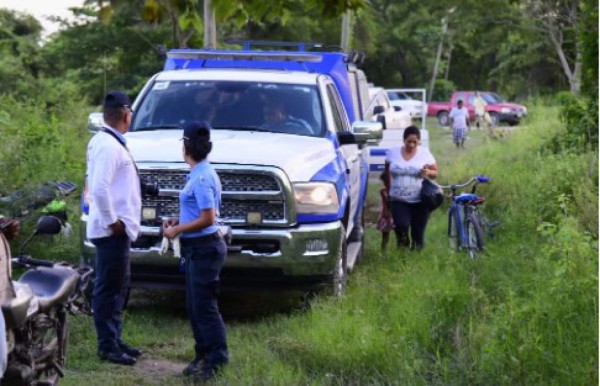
242 128
157 127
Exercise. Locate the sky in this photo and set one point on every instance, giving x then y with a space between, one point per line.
40 9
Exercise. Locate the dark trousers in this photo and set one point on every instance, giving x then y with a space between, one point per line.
413 216
204 258
110 289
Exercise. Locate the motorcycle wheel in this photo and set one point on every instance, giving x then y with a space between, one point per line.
50 347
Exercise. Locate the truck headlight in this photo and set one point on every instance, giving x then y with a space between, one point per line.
505 110
316 197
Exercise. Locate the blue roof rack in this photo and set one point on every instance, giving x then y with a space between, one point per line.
334 64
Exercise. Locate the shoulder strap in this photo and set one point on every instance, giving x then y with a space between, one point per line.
104 129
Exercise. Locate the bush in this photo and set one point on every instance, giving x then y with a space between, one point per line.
563 97
580 117
443 90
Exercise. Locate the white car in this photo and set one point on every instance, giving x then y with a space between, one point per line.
396 120
402 98
380 109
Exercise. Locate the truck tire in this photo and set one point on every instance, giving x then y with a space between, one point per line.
339 277
443 118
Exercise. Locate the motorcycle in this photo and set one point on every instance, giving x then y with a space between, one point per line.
35 310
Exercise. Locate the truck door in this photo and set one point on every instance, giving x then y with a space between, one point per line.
350 153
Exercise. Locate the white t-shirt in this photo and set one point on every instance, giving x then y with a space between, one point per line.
459 117
406 177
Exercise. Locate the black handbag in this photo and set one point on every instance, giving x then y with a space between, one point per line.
431 194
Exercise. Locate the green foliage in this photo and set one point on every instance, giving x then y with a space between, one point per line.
43 139
588 36
443 90
580 116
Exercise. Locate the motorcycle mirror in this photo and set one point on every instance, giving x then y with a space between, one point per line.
48 225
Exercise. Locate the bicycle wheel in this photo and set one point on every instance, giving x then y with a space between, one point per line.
474 234
453 235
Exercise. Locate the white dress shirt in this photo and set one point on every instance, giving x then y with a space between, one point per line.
113 187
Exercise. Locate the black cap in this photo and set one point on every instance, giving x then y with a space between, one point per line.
117 99
194 131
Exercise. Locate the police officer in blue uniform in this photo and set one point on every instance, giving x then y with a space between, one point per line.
203 250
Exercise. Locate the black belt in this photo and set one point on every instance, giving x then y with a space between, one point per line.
201 239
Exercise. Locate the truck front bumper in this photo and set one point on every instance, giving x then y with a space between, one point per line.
302 256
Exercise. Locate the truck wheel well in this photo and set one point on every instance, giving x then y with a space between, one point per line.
346 217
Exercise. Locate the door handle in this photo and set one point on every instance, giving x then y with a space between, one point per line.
353 159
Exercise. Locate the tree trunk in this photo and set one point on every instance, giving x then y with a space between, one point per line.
449 61
210 27
574 75
438 57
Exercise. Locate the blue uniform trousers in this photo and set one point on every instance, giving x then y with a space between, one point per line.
204 257
110 289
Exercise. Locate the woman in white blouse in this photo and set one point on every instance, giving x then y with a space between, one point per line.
405 169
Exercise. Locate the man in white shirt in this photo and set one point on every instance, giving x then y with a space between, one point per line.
113 222
479 105
459 121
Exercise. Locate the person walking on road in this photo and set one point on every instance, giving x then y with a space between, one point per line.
479 105
203 250
459 121
113 223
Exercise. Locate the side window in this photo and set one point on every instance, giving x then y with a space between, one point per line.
461 97
338 116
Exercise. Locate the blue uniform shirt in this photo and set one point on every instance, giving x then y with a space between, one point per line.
201 191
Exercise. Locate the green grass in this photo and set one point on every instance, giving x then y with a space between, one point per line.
526 313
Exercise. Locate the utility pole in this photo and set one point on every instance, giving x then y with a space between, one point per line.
210 27
436 64
438 57
346 23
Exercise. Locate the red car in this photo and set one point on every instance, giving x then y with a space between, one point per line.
499 110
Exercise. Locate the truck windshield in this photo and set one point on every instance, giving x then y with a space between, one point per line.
229 105
492 97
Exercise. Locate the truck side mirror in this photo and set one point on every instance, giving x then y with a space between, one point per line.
397 108
366 132
95 122
346 138
378 110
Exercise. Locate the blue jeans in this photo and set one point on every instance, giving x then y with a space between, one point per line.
204 258
110 290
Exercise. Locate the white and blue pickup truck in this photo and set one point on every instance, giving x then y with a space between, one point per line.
293 194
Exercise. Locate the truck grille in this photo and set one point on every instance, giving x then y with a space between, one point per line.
233 209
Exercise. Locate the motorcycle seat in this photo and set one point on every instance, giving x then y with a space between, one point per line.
51 285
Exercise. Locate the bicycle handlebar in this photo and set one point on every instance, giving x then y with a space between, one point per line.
478 179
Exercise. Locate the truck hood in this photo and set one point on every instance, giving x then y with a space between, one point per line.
300 157
407 102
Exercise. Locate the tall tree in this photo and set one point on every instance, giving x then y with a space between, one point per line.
557 21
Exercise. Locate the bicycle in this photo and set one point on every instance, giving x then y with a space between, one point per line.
465 222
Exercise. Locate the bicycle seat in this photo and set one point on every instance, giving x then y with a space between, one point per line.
464 198
51 285
478 201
